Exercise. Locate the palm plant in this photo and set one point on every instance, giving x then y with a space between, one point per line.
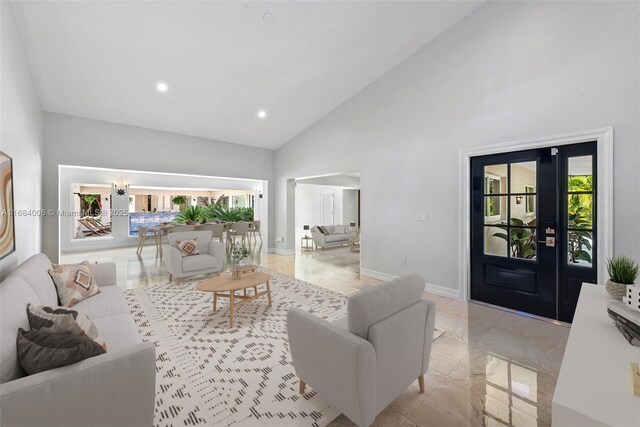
523 240
223 213
190 215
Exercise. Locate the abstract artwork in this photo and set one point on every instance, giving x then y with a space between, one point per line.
7 231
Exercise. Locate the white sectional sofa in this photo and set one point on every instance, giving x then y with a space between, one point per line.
338 235
114 389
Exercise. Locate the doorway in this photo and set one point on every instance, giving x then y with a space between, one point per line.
533 230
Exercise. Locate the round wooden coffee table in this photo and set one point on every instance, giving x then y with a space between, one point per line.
225 286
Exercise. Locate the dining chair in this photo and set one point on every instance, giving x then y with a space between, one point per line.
179 228
143 234
240 229
255 229
217 231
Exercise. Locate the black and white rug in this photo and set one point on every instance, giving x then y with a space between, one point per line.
209 374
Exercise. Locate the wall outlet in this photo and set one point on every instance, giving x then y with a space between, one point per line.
422 216
403 262
280 239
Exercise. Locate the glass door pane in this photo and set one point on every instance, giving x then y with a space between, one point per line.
580 196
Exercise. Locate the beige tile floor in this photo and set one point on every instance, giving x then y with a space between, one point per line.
490 368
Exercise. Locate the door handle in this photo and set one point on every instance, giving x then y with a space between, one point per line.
549 242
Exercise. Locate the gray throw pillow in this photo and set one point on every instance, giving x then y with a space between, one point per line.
40 351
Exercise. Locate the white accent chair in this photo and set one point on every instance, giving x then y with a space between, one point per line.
210 259
362 362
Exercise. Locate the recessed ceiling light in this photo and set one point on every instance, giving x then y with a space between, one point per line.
162 87
262 114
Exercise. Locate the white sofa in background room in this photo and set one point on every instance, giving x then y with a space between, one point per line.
338 235
116 388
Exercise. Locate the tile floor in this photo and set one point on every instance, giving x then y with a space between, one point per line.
490 368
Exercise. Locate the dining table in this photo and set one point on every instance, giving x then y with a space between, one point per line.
161 230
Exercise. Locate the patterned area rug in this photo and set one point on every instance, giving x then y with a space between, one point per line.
208 374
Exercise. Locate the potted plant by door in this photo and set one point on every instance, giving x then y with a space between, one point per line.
623 272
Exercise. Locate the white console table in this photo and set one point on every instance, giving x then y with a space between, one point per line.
594 386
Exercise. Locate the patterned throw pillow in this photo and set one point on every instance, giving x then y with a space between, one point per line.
39 351
74 282
188 247
61 320
323 230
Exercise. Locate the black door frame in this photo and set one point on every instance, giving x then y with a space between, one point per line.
604 138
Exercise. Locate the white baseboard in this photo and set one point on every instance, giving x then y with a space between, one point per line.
280 251
442 291
434 289
376 274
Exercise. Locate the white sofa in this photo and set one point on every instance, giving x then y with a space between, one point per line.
338 235
114 389
210 259
362 362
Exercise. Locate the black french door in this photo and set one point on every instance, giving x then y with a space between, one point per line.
533 228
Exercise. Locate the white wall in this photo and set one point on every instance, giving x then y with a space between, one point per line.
20 138
349 206
85 142
508 71
309 205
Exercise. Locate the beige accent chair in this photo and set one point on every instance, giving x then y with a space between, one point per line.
210 259
362 362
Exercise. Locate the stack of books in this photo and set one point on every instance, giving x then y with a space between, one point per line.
626 320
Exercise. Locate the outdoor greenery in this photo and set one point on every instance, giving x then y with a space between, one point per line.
523 240
190 215
622 270
179 200
90 204
581 217
219 212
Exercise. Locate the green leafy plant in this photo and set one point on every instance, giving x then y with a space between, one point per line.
179 200
622 270
238 253
190 215
523 240
222 213
580 216
90 204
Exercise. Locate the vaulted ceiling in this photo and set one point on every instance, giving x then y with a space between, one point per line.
223 62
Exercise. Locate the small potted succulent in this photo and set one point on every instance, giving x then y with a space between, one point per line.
238 253
623 272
